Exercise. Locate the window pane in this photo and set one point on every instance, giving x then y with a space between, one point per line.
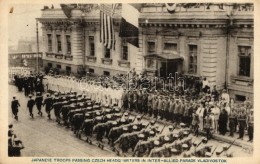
244 66
193 59
151 46
170 46
125 53
49 43
92 45
68 44
107 53
58 43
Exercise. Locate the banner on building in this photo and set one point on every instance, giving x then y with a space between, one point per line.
129 24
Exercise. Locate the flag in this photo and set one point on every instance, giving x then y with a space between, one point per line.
129 24
67 8
171 7
107 32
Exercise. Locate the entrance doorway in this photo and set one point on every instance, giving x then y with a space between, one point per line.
167 68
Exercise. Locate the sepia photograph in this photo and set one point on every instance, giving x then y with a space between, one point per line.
131 80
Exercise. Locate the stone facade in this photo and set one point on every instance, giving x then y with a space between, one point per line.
215 33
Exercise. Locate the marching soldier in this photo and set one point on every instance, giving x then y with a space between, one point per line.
38 102
250 121
57 107
14 105
48 105
140 149
30 105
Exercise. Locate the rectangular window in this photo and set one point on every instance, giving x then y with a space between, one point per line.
50 65
244 54
107 53
58 43
90 70
91 46
150 47
58 66
240 98
106 73
68 68
68 44
49 43
193 59
124 50
170 47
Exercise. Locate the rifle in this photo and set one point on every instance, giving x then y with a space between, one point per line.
58 88
162 129
214 151
226 149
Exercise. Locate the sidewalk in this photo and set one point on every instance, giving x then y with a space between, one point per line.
241 143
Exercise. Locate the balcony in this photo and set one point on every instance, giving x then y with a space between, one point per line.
50 54
58 56
92 59
68 57
124 63
107 61
242 81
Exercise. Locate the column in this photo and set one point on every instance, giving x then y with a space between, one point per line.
63 41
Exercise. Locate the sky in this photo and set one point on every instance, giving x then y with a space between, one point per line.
22 22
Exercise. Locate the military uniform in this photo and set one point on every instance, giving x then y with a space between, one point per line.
38 102
30 105
242 124
251 126
208 126
14 105
48 105
232 120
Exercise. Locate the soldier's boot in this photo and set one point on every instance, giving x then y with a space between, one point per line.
32 115
113 149
49 116
41 114
16 117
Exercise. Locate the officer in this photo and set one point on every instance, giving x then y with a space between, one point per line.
250 121
166 107
195 124
30 105
14 105
232 122
242 123
38 102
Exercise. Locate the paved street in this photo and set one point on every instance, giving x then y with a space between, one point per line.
42 137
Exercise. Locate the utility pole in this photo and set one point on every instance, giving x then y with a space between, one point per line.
37 38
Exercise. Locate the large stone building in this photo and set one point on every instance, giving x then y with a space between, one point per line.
214 41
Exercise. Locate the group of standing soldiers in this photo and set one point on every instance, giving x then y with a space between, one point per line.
29 83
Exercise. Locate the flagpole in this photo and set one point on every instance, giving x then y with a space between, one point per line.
37 38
